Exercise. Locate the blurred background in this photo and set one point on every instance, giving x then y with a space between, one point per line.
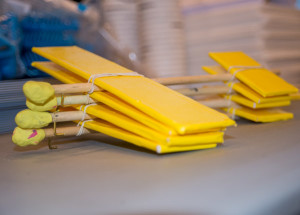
156 38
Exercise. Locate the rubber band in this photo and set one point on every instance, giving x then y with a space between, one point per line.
84 110
229 107
233 113
230 91
80 132
88 99
229 101
93 77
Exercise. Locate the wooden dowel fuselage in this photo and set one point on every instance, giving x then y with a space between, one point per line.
74 100
83 87
74 88
66 116
66 131
193 79
86 87
216 103
206 90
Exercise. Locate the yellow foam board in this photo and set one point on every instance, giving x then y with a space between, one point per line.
263 81
262 115
248 103
252 95
244 89
126 123
113 131
179 112
107 128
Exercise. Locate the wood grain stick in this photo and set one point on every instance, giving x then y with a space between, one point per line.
216 103
193 79
74 100
206 90
26 137
66 116
66 131
86 87
74 88
35 119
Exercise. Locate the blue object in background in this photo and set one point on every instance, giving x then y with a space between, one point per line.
9 28
8 62
82 7
49 23
28 57
45 30
35 30
9 42
44 38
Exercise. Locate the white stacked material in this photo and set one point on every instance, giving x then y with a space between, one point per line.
121 15
267 32
162 40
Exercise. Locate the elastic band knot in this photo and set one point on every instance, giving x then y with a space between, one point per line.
84 110
80 132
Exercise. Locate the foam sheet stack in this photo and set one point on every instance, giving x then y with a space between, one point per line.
131 107
266 32
258 91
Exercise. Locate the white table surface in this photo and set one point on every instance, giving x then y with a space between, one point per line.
256 171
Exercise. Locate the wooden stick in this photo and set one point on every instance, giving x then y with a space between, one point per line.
216 103
35 119
20 135
66 116
210 103
74 88
86 87
197 79
66 131
206 90
193 79
74 100
61 101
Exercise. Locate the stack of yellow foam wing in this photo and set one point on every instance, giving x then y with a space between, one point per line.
259 92
134 108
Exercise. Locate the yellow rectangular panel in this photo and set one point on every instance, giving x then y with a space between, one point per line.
252 95
248 103
263 115
262 80
120 120
244 89
179 112
113 131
